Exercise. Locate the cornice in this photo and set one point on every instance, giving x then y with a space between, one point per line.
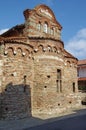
47 38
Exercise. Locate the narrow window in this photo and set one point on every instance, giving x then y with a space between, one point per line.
74 87
52 31
59 81
25 83
57 86
58 74
45 27
39 26
60 86
24 79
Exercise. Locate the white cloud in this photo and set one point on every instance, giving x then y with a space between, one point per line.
77 44
3 30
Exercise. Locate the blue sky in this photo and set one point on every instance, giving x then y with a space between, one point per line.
71 14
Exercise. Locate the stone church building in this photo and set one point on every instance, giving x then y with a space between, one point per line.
37 75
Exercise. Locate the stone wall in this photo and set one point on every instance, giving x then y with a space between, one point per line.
37 75
41 22
16 81
53 93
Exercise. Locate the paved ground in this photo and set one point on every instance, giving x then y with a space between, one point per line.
25 123
72 123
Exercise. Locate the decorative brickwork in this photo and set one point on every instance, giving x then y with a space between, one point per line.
37 75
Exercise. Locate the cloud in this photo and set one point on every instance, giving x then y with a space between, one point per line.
3 30
77 44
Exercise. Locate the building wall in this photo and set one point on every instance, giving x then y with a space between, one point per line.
41 22
17 77
82 72
30 80
37 75
82 78
53 93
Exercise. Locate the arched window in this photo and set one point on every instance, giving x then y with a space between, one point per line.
45 27
39 26
52 31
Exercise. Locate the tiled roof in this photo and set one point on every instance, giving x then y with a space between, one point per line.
68 55
14 30
1 38
82 79
82 62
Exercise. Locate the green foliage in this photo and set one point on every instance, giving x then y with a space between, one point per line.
82 87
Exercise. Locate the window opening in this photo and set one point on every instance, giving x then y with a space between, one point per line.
45 27
52 31
59 81
60 86
58 74
73 87
25 83
57 86
39 26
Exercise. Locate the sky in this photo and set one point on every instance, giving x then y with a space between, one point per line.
71 14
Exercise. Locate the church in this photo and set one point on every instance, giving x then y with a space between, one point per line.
37 74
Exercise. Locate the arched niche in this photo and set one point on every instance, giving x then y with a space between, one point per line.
10 51
19 51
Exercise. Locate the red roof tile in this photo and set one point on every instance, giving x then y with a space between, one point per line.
82 79
82 62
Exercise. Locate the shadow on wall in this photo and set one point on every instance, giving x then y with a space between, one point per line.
15 101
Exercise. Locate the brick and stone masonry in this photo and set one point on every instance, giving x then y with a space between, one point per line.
37 75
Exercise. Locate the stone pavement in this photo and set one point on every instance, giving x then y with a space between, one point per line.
35 121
